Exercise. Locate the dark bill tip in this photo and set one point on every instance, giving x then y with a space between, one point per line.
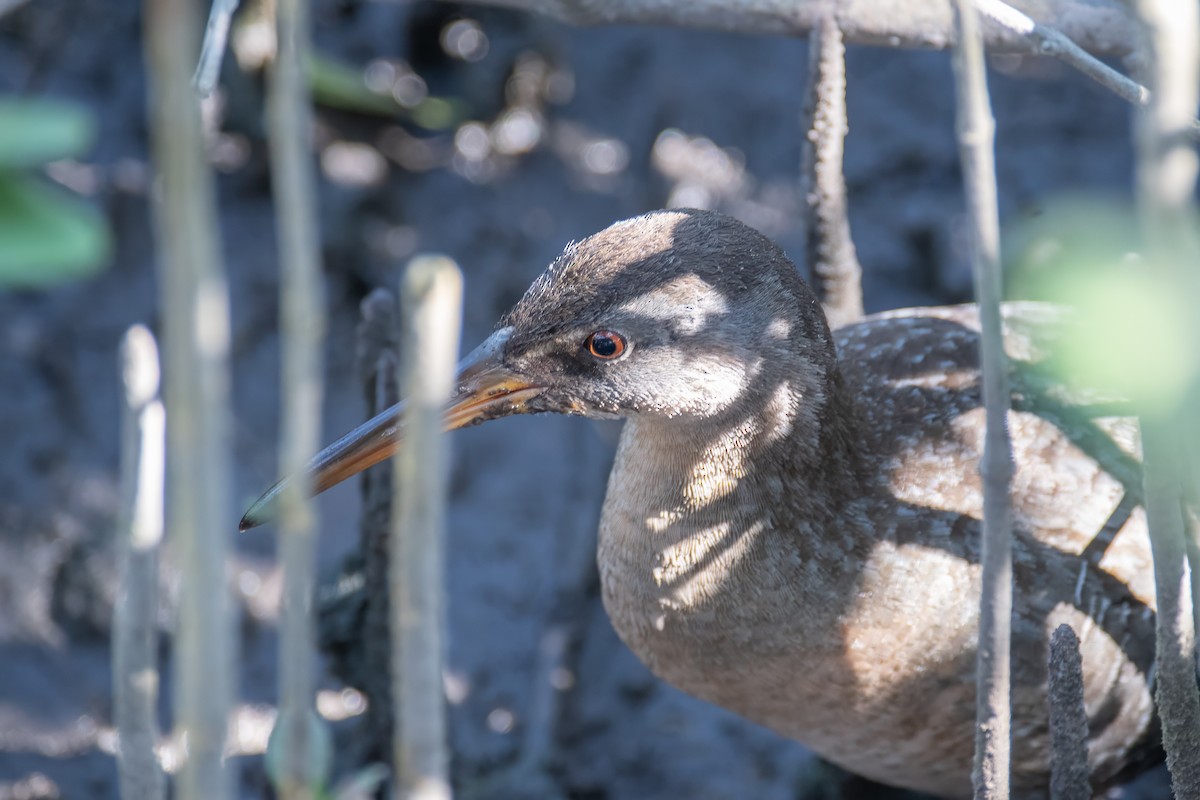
261 512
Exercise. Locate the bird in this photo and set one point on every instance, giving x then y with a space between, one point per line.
792 524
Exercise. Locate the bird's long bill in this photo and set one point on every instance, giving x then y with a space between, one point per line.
486 389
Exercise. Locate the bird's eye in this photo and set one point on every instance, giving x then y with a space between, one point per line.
607 345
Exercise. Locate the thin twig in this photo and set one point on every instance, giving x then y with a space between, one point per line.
976 136
1069 779
379 365
828 245
1191 493
195 313
353 630
212 52
1051 42
1099 26
432 301
140 531
1071 33
303 748
1166 177
8 6
1175 660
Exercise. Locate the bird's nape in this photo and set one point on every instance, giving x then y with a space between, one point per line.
485 389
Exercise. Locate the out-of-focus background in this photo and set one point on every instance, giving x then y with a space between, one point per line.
510 136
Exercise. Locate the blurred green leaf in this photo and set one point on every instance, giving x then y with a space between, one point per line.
363 784
1136 338
436 114
46 234
33 132
315 763
338 85
1135 326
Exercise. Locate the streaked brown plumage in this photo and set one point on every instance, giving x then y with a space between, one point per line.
791 528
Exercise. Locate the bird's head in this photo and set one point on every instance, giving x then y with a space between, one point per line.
684 316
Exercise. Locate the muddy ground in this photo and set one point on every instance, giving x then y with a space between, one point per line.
602 124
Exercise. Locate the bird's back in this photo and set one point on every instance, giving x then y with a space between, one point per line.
1081 549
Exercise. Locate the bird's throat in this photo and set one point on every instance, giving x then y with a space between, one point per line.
690 548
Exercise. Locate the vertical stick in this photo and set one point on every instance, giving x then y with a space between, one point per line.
300 741
1191 504
135 618
976 136
1166 178
828 246
431 300
195 313
1175 660
378 364
212 51
1069 778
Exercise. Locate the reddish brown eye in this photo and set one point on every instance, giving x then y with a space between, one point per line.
606 345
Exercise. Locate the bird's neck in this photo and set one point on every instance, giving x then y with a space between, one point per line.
693 505
716 544
684 476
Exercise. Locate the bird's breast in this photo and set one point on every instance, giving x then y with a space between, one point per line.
854 633
781 626
734 612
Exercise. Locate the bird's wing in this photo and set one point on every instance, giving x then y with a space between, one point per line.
1081 550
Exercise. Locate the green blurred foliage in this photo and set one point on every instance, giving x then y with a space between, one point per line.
316 762
337 85
33 132
361 785
47 234
1134 330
